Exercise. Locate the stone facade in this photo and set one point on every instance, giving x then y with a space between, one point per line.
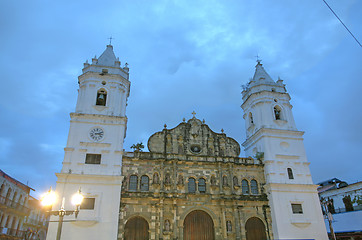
163 195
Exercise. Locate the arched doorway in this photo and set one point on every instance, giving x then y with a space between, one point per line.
136 229
198 225
255 229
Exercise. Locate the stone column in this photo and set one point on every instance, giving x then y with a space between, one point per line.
236 222
242 222
174 219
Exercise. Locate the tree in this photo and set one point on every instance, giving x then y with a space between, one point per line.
137 147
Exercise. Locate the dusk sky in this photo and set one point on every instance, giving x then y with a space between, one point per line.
183 56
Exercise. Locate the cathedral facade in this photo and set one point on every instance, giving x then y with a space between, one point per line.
191 184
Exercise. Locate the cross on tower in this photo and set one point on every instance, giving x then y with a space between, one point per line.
193 113
110 40
258 60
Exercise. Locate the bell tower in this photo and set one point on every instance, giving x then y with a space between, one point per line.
271 135
93 155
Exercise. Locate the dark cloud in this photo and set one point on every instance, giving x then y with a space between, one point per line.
184 56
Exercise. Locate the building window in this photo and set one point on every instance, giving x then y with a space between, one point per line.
277 113
251 120
88 203
101 97
133 183
92 158
245 187
297 208
202 185
290 173
191 185
144 183
254 187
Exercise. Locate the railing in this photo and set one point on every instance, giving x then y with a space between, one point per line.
14 205
12 232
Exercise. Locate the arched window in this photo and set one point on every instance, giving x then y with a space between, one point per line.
191 185
254 187
101 97
144 183
2 189
14 196
290 173
202 185
277 113
251 120
8 195
133 179
245 187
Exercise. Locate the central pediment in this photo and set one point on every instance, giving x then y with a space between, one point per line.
193 137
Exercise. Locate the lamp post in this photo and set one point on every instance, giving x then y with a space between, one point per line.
50 198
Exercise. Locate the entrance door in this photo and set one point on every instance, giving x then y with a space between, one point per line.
198 225
136 229
255 229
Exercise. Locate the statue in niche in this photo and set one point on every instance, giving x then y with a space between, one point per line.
167 225
180 180
156 179
225 181
229 227
235 181
213 180
167 179
124 184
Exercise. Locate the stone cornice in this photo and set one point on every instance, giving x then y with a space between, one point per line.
147 156
291 187
272 132
71 178
87 116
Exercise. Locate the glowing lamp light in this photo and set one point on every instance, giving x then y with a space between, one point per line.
48 198
77 198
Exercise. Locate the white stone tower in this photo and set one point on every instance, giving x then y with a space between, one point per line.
93 154
272 134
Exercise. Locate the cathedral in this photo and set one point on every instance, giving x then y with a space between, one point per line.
191 184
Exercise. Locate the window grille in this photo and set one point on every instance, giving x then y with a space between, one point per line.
254 187
133 183
93 158
245 187
202 185
144 183
191 185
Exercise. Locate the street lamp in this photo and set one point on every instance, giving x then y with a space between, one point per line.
49 198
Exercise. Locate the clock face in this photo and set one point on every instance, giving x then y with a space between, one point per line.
96 134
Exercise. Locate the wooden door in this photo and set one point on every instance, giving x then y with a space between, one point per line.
136 229
255 229
198 225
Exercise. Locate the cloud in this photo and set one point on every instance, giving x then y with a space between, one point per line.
184 57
